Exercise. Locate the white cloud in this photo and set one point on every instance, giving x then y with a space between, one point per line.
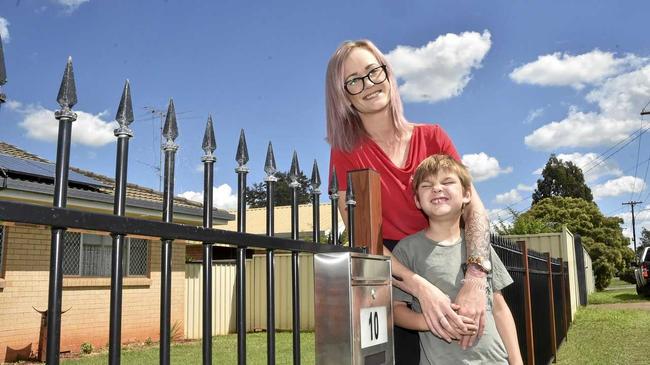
622 97
14 105
562 69
581 129
441 69
522 187
495 215
483 167
510 197
4 29
642 220
533 114
222 197
619 99
71 5
89 129
591 166
618 186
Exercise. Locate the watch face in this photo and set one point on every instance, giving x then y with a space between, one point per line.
487 265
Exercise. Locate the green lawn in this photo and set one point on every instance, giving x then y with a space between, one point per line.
224 351
606 336
619 292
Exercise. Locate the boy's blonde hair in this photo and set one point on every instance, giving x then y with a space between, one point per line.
433 164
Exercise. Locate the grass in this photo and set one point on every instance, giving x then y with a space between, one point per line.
619 292
224 351
606 336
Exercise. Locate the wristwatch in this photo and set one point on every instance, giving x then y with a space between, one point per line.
482 264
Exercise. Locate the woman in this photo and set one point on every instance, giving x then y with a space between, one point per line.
366 128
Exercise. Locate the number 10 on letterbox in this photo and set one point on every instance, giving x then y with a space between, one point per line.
353 309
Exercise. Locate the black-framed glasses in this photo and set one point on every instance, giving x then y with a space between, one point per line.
356 85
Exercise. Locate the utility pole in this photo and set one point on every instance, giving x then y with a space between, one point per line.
632 204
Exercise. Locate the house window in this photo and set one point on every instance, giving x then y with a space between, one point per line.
2 251
90 255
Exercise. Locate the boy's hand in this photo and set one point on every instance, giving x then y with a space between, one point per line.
472 300
440 314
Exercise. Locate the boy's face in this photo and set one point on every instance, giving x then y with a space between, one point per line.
441 195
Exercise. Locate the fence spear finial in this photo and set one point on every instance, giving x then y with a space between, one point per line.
242 150
269 165
124 116
67 97
294 171
315 178
334 183
170 130
209 142
349 192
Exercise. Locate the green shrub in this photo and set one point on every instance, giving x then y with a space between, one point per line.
148 341
86 348
627 275
603 272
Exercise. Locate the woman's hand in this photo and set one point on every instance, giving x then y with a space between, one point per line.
472 300
440 314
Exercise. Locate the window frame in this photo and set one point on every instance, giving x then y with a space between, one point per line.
126 257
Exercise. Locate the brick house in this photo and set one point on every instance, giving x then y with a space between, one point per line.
25 256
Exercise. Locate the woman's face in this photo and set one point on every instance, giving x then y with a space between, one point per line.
374 97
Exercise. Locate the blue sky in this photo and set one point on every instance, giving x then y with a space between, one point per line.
511 82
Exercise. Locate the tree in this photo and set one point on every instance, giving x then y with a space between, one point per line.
256 195
644 241
561 178
522 224
602 236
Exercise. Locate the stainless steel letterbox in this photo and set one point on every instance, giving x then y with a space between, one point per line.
353 309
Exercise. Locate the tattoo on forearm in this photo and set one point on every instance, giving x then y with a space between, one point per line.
477 234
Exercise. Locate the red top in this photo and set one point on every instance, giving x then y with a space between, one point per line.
400 216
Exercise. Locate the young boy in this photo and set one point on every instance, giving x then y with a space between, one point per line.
442 187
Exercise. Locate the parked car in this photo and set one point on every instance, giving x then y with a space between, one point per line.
642 273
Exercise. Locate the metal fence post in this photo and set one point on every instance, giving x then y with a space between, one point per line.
124 118
530 343
170 132
66 98
271 179
3 74
294 173
208 159
315 202
334 198
350 203
241 170
551 303
367 227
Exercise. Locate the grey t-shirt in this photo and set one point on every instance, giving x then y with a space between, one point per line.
442 266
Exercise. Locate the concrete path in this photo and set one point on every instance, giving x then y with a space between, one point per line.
634 305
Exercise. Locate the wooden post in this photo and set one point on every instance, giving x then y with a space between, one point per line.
367 226
551 305
565 328
528 312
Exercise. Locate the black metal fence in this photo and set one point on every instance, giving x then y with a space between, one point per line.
538 299
60 219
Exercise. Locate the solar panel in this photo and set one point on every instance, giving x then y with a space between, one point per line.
42 169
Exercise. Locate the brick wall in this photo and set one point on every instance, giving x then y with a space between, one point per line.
87 320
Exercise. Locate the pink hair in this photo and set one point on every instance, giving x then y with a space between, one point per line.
344 127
